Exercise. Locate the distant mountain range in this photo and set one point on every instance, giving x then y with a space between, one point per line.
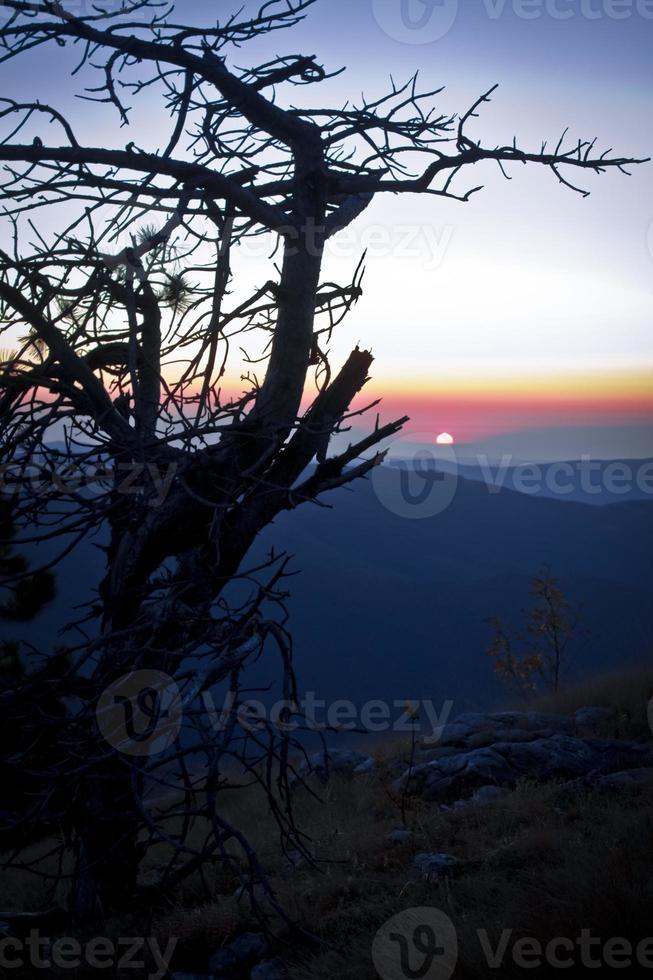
392 606
550 443
389 606
586 480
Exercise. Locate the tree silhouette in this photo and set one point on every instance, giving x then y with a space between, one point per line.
552 626
31 590
131 304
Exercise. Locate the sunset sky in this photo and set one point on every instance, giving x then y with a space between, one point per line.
529 307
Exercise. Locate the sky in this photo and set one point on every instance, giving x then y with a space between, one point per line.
529 307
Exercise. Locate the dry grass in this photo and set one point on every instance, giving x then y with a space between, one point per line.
543 862
538 867
627 691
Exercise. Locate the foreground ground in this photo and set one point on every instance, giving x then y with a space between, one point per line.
557 860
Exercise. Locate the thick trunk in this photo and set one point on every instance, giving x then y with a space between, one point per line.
108 850
280 397
109 821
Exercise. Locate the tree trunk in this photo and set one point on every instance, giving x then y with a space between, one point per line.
109 821
108 850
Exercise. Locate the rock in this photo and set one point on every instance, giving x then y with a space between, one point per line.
399 836
474 730
456 776
473 719
594 719
452 734
489 794
437 752
533 721
505 763
248 949
523 735
479 740
628 779
435 865
270 970
562 756
367 766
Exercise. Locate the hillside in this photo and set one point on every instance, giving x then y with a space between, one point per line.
390 607
584 480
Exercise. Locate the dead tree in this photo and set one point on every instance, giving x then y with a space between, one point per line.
127 316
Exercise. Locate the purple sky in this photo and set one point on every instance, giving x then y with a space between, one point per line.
529 279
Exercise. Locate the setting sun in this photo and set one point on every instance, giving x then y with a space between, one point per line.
444 439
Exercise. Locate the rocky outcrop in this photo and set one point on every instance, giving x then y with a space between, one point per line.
630 779
478 757
594 720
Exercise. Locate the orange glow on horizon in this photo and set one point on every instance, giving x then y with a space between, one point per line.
478 406
572 384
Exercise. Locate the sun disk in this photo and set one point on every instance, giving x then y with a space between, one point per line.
444 439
